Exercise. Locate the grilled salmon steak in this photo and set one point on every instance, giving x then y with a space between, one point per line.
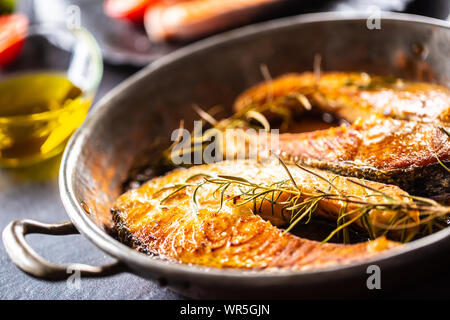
404 153
185 216
397 133
352 96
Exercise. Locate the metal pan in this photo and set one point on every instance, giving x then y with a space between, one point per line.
149 105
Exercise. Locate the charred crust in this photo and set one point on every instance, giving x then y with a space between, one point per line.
124 235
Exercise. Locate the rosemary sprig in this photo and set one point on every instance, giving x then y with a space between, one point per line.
441 163
296 205
178 189
444 130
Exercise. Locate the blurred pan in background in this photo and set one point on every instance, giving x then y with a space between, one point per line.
128 43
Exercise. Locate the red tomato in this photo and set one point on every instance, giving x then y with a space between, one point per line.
131 10
13 30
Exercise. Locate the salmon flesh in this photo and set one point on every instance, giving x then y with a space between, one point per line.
353 96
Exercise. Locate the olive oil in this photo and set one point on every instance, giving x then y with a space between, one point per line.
38 113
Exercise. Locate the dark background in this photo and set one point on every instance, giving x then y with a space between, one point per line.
33 193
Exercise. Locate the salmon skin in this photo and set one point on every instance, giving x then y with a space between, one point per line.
180 218
353 96
186 20
399 152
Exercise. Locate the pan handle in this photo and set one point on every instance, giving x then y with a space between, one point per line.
32 263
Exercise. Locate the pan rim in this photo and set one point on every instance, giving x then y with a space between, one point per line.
159 267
